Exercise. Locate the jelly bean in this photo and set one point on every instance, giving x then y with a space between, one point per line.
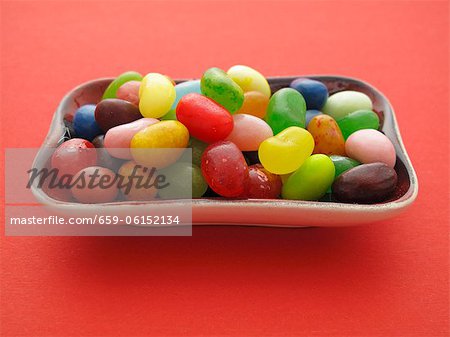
118 138
113 112
342 103
104 159
138 182
314 92
56 191
286 152
286 108
365 184
72 156
185 181
111 90
249 79
185 88
217 85
198 147
311 181
129 91
225 169
157 94
262 184
166 138
84 122
255 103
249 132
342 164
370 146
100 185
310 114
204 118
170 116
358 120
328 137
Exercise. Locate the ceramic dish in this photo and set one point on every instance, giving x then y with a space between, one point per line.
278 212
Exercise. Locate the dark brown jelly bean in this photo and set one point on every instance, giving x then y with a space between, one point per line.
113 112
365 184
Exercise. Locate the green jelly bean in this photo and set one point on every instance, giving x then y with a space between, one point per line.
358 120
170 116
218 86
311 181
178 175
287 107
112 88
342 164
198 147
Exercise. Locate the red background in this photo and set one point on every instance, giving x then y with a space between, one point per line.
385 279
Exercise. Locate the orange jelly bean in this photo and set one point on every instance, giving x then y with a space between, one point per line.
328 138
255 103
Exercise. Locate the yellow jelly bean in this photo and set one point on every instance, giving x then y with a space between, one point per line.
160 144
286 152
156 95
249 79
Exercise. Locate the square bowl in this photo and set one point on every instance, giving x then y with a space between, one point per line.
250 212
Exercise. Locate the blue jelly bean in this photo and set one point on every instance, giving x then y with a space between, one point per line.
314 92
310 114
185 88
84 122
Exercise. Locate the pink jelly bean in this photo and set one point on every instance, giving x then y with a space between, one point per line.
248 132
370 146
129 91
117 139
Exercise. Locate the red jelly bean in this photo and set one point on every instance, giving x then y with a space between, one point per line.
73 155
225 169
205 119
262 184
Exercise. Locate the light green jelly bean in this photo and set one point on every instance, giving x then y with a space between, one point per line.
178 175
170 116
112 88
358 120
342 103
217 85
342 164
286 108
311 181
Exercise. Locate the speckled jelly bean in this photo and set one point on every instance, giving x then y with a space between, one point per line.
163 135
225 169
218 86
342 164
72 156
100 186
310 114
358 120
138 189
156 95
262 184
365 184
249 79
113 112
111 90
342 103
314 92
205 119
285 152
129 91
249 132
178 177
286 108
327 136
255 103
311 181
370 146
84 122
118 139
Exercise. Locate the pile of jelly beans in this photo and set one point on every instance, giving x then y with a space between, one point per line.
298 143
